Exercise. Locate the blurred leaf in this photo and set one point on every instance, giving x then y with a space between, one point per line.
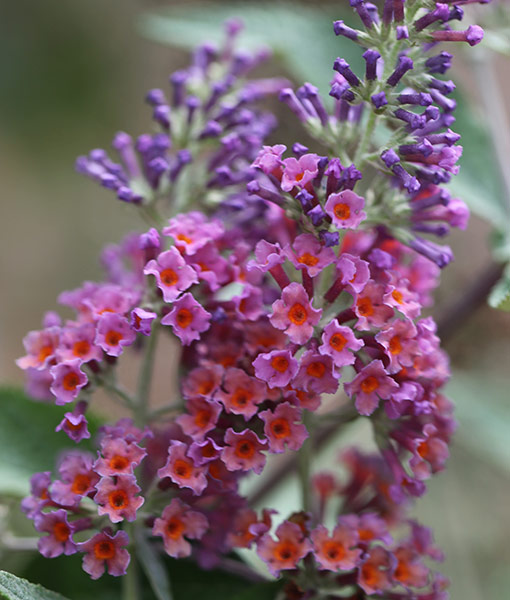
483 411
478 182
500 295
28 442
498 41
153 567
14 588
303 38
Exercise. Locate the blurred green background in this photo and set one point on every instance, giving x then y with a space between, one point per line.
73 73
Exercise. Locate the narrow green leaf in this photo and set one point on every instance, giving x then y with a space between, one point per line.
500 295
153 567
15 588
28 442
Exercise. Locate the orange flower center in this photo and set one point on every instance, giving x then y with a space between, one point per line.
337 341
395 346
241 397
81 348
205 387
316 369
402 572
72 427
184 318
365 535
300 176
245 449
370 574
285 551
44 352
202 418
112 338
280 363
207 451
61 531
183 468
298 314
280 428
104 550
70 381
333 550
369 385
168 277
175 528
308 259
183 238
118 499
342 211
118 463
365 307
80 484
397 296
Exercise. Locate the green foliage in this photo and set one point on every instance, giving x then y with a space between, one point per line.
152 564
15 588
500 295
301 37
27 440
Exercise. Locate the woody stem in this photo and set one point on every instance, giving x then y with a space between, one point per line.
145 377
304 458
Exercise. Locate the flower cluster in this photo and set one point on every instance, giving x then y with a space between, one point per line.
294 287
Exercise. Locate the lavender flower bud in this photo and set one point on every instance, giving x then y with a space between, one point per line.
371 57
440 13
342 66
340 28
404 65
379 100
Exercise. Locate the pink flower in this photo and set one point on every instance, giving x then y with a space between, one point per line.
172 274
267 256
242 393
116 498
398 339
119 457
182 470
68 380
310 254
113 333
299 172
282 429
41 347
368 526
141 320
74 424
370 308
202 382
375 572
201 418
410 571
78 479
39 496
400 297
78 342
285 552
316 374
336 552
210 266
276 368
354 272
295 314
370 385
346 209
243 451
177 522
192 231
106 551
247 528
269 159
339 343
249 304
59 541
188 319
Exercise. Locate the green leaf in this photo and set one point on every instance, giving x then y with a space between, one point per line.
15 588
500 295
28 442
153 567
303 39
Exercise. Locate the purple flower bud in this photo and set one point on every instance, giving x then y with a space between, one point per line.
192 103
447 104
349 177
310 92
473 35
424 148
340 28
390 158
402 32
363 12
253 187
212 129
404 65
342 66
445 87
371 57
316 214
419 99
178 79
183 158
441 255
161 115
410 183
379 100
439 63
333 173
440 198
412 119
155 97
449 138
299 149
290 99
439 229
440 13
456 14
431 113
387 15
127 195
337 89
330 238
306 200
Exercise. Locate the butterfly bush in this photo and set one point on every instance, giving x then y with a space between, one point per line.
294 282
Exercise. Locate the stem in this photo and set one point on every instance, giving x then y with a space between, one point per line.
163 410
130 581
118 393
367 135
145 377
304 460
